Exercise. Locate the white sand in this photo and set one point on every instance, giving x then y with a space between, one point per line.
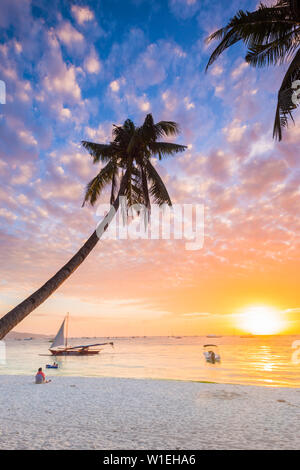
111 413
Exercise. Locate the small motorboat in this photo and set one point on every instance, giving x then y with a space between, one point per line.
211 353
51 366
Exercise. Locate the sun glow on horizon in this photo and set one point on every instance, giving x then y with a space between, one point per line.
261 320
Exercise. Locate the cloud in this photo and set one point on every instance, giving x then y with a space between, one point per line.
82 14
68 35
219 165
216 70
59 78
27 138
237 72
102 133
197 314
184 8
22 175
259 175
65 113
7 214
248 183
65 83
92 63
234 132
115 85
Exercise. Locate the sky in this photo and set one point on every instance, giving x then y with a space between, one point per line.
72 70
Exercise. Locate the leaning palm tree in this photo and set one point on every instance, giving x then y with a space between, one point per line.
128 168
272 36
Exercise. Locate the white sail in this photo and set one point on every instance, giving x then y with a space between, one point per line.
59 339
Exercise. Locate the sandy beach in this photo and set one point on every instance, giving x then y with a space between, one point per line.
113 413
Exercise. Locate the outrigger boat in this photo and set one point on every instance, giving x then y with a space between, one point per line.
60 347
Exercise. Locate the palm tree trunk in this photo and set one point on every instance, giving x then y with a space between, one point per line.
17 314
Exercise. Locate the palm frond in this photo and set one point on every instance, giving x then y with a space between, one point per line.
99 152
129 154
131 171
144 186
97 184
149 132
275 52
163 149
285 105
157 189
272 36
229 38
166 129
218 35
114 186
122 134
145 133
258 27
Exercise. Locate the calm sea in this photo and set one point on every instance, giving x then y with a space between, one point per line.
262 360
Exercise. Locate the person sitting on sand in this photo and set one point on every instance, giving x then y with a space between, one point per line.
40 377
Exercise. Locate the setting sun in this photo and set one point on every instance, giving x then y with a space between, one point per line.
261 320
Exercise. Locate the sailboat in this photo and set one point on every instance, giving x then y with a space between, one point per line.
60 347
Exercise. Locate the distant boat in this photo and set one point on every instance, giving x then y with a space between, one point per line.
213 336
60 347
28 339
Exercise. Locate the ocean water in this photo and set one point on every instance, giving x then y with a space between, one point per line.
260 360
